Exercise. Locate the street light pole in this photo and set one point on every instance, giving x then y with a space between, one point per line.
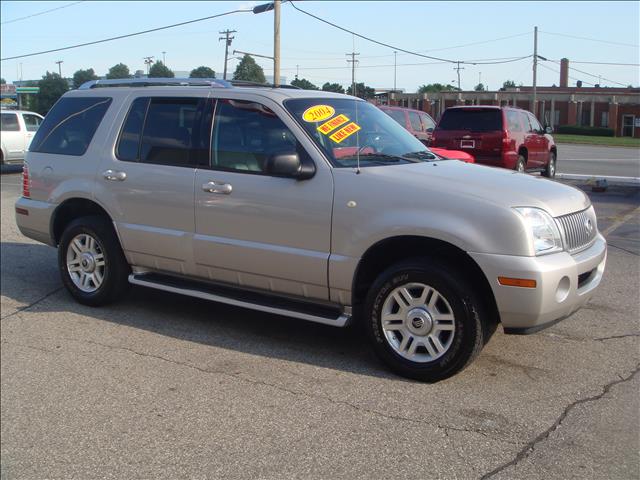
535 71
276 43
395 64
164 61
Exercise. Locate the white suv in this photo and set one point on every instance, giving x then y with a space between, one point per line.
18 129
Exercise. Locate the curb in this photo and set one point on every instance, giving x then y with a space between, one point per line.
611 179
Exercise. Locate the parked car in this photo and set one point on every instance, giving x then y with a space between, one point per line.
421 126
17 128
277 200
504 137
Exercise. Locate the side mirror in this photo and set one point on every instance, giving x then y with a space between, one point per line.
548 129
430 129
289 165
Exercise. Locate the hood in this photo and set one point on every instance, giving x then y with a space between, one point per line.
501 187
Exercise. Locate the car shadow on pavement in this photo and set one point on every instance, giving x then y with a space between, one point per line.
190 319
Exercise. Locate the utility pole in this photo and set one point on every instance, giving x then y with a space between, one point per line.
353 62
227 43
148 61
458 68
59 62
395 65
535 71
297 70
164 61
276 43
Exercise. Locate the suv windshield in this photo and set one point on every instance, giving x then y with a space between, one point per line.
472 120
348 130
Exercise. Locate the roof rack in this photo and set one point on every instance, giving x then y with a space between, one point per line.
249 83
149 82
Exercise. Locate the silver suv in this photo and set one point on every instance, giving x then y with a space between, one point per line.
309 204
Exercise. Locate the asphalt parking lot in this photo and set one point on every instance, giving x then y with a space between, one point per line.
597 160
166 386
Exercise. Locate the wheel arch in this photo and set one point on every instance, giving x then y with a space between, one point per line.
389 251
71 209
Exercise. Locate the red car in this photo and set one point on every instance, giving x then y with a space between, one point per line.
498 136
421 125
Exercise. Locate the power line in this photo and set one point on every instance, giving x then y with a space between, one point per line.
558 72
609 63
128 35
592 39
392 47
599 77
41 13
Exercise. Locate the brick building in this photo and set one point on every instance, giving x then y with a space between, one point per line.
615 108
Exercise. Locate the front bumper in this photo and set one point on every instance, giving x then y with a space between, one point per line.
564 283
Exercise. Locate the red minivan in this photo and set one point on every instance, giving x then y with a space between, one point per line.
498 136
420 124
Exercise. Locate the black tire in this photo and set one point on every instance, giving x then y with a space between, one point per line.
116 269
521 164
472 325
550 169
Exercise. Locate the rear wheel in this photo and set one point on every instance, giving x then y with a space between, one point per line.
550 170
521 164
92 265
424 321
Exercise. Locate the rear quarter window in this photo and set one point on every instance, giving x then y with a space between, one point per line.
476 120
9 122
70 125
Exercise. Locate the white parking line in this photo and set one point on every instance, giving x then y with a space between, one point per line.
623 220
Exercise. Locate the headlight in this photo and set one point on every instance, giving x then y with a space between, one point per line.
544 232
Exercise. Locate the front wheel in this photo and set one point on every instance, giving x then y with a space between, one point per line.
424 321
91 262
550 170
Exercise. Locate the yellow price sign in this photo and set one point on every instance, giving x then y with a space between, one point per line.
335 122
344 132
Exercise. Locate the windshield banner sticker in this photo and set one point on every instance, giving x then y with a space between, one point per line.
344 132
335 122
317 113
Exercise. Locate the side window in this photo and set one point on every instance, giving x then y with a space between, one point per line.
173 132
427 123
525 121
513 121
246 134
70 125
32 122
398 116
9 122
535 125
414 120
129 142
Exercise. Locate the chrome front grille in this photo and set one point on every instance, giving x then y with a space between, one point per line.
579 229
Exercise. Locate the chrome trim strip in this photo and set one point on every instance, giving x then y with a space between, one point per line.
341 321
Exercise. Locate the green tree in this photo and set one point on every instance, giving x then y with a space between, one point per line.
249 70
362 91
82 76
509 84
202 72
333 87
3 81
160 70
119 71
436 87
303 84
52 87
479 87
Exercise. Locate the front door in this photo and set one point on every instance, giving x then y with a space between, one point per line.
256 230
147 182
627 125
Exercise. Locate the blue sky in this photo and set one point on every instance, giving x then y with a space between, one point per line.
318 50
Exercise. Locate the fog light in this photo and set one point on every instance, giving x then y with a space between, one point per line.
562 292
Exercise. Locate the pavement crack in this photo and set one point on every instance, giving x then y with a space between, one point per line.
614 337
32 304
530 446
623 249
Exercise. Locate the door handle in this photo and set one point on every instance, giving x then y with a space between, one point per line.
217 187
114 175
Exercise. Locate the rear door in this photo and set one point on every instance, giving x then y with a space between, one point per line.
146 181
12 136
531 140
542 142
257 230
31 123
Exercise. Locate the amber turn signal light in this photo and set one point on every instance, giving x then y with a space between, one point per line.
517 282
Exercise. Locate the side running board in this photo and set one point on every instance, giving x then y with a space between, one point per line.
246 299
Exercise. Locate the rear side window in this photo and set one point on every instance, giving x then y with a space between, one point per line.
476 120
32 122
397 115
525 121
9 122
414 119
70 125
513 121
167 131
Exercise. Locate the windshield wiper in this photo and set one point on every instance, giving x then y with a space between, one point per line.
423 155
382 157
